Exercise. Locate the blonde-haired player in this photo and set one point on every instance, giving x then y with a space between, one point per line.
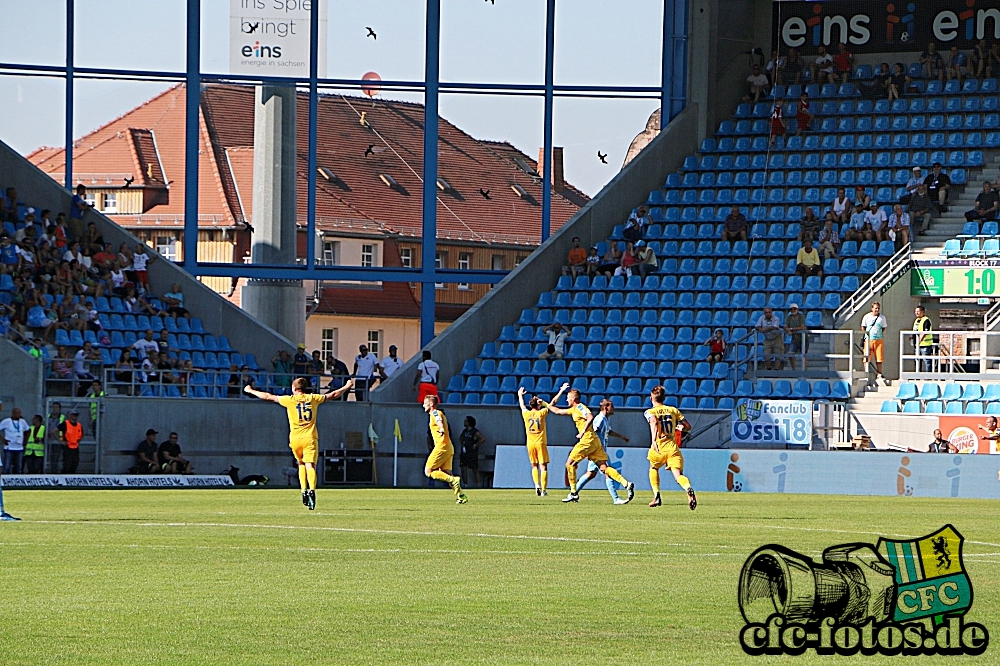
666 425
537 438
303 436
439 461
588 446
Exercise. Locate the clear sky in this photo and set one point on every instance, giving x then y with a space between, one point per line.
597 42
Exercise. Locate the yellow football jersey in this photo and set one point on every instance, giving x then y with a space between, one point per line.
666 419
583 424
534 426
439 428
302 415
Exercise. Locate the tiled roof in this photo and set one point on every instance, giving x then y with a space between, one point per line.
130 144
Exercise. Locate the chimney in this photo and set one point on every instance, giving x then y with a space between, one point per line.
558 177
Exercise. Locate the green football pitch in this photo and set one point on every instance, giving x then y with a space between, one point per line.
407 577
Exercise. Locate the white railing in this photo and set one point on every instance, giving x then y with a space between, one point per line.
886 273
971 355
754 343
992 317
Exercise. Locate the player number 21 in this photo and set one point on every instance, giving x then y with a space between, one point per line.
305 412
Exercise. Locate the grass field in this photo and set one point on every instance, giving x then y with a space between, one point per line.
408 577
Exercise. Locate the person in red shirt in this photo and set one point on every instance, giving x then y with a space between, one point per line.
843 62
105 256
777 122
717 348
802 115
576 259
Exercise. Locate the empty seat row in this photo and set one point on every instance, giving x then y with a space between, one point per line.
846 107
594 401
949 391
737 170
829 127
939 407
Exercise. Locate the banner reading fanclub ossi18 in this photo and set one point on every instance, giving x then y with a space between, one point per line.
877 27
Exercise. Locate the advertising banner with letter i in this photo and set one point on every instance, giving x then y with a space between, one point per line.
271 37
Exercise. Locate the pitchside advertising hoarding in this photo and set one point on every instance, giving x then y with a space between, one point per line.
772 422
271 37
888 25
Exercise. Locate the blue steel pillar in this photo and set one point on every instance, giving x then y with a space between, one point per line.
191 135
550 44
70 48
673 72
313 104
428 243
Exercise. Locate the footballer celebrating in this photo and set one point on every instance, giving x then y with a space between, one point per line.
439 461
666 426
303 436
588 446
537 438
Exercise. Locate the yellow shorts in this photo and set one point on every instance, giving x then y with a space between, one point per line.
590 448
538 454
671 457
440 458
875 350
306 451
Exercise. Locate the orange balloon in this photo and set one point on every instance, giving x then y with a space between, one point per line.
371 89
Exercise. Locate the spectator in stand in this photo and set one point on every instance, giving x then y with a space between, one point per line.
316 366
8 206
769 326
611 260
932 64
576 259
82 360
557 341
282 364
93 241
646 258
174 299
637 224
62 364
860 194
124 368
774 68
807 261
899 226
757 82
364 372
165 367
389 365
147 459
919 209
300 362
103 257
140 264
735 226
12 433
163 342
822 68
10 258
878 221
593 262
792 71
993 60
897 82
125 258
629 260
34 446
938 183
171 459
986 205
717 348
958 65
979 56
339 375
810 226
60 233
146 346
841 207
425 382
843 63
795 326
916 179
829 240
70 434
777 122
803 117
77 208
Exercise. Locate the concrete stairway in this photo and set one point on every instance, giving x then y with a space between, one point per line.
949 225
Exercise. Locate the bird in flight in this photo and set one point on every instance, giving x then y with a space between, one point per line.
253 27
485 193
492 2
371 33
247 226
602 156
129 181
370 151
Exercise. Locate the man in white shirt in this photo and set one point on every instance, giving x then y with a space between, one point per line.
758 84
899 226
426 380
12 432
823 67
4 516
388 366
557 341
917 178
878 221
364 370
774 339
873 325
146 346
81 362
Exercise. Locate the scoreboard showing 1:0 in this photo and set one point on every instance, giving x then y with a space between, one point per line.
978 282
954 281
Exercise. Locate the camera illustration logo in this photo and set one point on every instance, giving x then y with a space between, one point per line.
895 597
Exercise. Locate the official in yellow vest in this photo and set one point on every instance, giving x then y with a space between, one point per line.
96 392
924 344
34 447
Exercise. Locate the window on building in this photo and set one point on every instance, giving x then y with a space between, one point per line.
406 256
464 263
91 199
440 259
374 342
328 344
497 262
167 246
111 202
519 260
367 255
331 253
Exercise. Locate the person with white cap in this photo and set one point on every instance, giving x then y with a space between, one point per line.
390 364
878 221
916 179
795 326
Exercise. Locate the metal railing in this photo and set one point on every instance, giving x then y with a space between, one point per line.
876 284
755 348
216 384
991 317
970 355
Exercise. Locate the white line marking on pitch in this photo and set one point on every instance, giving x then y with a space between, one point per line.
347 529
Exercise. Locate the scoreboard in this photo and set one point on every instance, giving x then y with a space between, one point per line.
954 281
